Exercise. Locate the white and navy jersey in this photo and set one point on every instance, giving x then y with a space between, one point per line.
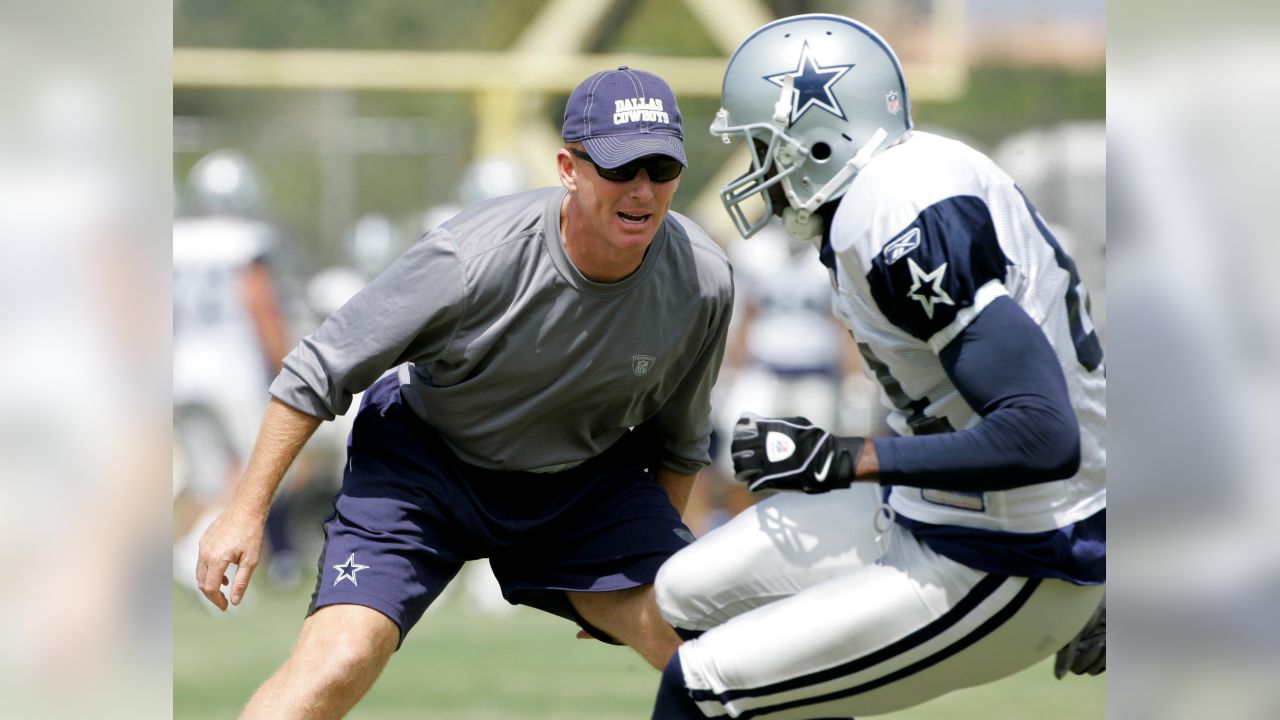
214 335
928 235
209 255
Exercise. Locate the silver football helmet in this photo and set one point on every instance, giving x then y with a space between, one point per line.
815 97
225 182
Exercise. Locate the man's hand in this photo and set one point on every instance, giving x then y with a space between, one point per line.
1086 654
234 538
792 454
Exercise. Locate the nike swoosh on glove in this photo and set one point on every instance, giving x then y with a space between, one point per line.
792 454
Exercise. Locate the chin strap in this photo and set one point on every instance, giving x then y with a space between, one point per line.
782 108
803 215
807 229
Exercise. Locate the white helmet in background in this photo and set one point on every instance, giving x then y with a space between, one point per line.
225 182
490 178
817 96
372 244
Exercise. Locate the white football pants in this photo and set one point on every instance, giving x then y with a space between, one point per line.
810 612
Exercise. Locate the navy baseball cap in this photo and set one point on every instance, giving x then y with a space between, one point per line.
624 114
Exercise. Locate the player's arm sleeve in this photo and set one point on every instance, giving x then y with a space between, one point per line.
684 422
409 312
1005 368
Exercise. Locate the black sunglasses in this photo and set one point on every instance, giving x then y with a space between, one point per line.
660 168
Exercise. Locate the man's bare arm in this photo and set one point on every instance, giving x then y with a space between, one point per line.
268 318
236 536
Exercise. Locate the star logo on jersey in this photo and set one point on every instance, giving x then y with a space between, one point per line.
813 83
926 287
348 570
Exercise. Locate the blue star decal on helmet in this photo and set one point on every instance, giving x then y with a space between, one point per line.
813 83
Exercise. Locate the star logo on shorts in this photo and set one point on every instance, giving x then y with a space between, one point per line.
348 570
926 287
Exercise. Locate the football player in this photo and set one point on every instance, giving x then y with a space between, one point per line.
885 572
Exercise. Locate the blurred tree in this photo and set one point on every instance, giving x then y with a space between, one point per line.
397 153
659 27
1003 100
370 25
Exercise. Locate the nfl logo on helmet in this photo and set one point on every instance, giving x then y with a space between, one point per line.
891 102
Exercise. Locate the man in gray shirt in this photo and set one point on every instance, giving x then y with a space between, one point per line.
554 353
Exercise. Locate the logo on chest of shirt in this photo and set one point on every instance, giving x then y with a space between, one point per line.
641 364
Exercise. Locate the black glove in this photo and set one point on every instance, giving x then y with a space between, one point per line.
792 454
1086 654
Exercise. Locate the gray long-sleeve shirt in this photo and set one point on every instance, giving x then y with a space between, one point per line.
515 358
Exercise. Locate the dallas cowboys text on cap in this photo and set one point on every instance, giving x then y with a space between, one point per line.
624 114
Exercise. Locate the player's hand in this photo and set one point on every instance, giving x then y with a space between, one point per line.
1086 654
235 538
791 454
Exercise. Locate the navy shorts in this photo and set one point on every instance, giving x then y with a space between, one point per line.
410 513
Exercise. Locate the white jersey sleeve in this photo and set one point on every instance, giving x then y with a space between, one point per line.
928 235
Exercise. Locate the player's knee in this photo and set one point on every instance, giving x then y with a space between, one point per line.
682 589
359 654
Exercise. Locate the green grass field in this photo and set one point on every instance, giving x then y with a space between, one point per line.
456 665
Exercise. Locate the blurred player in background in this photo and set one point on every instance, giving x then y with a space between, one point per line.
883 573
371 245
229 336
552 355
788 346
